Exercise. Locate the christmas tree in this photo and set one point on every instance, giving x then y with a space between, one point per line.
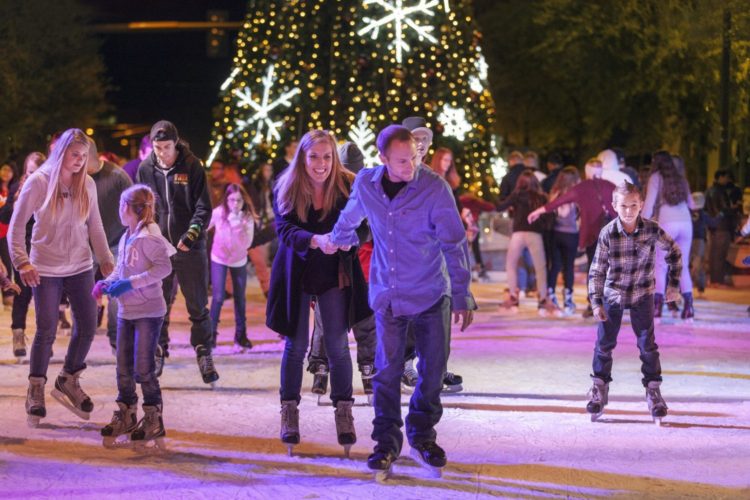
355 66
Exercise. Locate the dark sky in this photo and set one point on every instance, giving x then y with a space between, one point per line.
165 74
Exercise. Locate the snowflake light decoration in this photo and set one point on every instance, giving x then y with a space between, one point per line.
364 138
477 82
399 16
214 152
454 122
262 115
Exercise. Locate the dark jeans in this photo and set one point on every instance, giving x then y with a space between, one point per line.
20 304
239 283
697 269
718 249
526 275
564 250
431 329
333 314
642 320
191 270
47 297
364 335
136 345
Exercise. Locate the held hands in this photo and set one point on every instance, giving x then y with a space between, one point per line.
466 317
324 243
119 287
13 287
29 276
599 314
99 289
106 268
673 294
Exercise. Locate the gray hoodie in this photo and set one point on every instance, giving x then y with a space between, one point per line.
143 259
59 245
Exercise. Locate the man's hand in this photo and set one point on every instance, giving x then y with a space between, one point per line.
13 287
599 314
323 242
466 316
107 268
673 294
29 276
533 216
100 288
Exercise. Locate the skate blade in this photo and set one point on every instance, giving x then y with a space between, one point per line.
347 449
382 476
595 416
657 421
508 311
321 402
407 389
150 446
63 400
435 472
369 399
111 443
452 389
33 421
20 359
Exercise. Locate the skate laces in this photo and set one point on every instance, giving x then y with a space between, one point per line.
73 388
595 394
206 363
344 418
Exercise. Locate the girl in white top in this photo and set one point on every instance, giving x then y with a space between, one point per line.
62 199
234 222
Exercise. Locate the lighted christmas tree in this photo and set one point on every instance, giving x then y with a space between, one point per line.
355 66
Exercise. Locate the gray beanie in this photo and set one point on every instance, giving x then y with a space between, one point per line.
351 157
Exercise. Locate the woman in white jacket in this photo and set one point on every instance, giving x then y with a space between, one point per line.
62 199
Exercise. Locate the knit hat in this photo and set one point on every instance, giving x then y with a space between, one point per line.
417 124
699 200
164 130
351 157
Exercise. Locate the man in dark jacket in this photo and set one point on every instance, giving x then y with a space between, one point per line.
515 167
183 211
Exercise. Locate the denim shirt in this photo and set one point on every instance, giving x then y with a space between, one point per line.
420 251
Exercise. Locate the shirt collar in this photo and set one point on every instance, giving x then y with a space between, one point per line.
638 226
377 178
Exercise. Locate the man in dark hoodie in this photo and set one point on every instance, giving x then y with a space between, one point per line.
183 210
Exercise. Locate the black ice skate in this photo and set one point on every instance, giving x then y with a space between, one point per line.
345 425
149 436
599 394
117 433
242 345
409 377
320 382
206 365
656 404
430 456
19 344
68 393
452 382
368 372
289 425
381 463
35 409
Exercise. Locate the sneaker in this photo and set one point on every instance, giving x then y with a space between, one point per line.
569 307
206 364
19 343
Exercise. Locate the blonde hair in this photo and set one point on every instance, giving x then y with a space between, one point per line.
140 198
295 191
53 165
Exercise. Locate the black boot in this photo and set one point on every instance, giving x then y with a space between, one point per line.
687 307
658 304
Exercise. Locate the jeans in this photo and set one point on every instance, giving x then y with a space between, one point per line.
47 297
527 278
364 335
191 270
333 314
697 269
239 283
136 345
521 241
642 320
431 332
564 249
20 305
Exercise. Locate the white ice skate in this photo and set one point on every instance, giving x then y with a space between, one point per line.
117 433
149 436
68 393
599 394
656 404
19 344
35 409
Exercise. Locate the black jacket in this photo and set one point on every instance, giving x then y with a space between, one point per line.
182 200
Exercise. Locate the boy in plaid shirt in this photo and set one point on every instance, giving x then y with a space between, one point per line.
622 277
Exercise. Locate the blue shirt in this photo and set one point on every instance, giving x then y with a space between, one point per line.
420 252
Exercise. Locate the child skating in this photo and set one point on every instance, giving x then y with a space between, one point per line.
136 283
622 277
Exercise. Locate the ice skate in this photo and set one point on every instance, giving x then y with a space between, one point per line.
599 394
588 312
320 382
368 372
35 409
381 463
242 345
687 307
452 382
68 393
19 344
116 434
206 365
409 377
569 307
430 456
345 425
509 305
548 307
63 325
159 356
149 435
656 404
289 425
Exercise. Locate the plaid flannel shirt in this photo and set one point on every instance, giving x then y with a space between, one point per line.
623 267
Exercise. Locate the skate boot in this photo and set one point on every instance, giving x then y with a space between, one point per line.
452 382
68 393
242 344
687 307
656 404
289 425
658 304
320 381
509 305
159 356
345 425
430 456
63 325
368 372
381 462
124 421
206 365
569 307
588 312
548 307
19 344
410 377
35 409
150 430
599 394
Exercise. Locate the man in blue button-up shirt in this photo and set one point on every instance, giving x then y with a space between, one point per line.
419 272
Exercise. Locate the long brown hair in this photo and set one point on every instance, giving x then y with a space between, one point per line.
674 189
248 210
295 191
53 165
450 175
140 199
528 185
566 179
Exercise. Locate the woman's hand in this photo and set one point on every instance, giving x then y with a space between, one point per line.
533 216
30 276
106 268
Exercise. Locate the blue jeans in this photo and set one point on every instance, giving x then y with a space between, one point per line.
642 320
333 306
47 297
431 329
564 250
239 283
364 335
136 345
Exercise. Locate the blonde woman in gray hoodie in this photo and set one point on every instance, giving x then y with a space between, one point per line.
62 199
